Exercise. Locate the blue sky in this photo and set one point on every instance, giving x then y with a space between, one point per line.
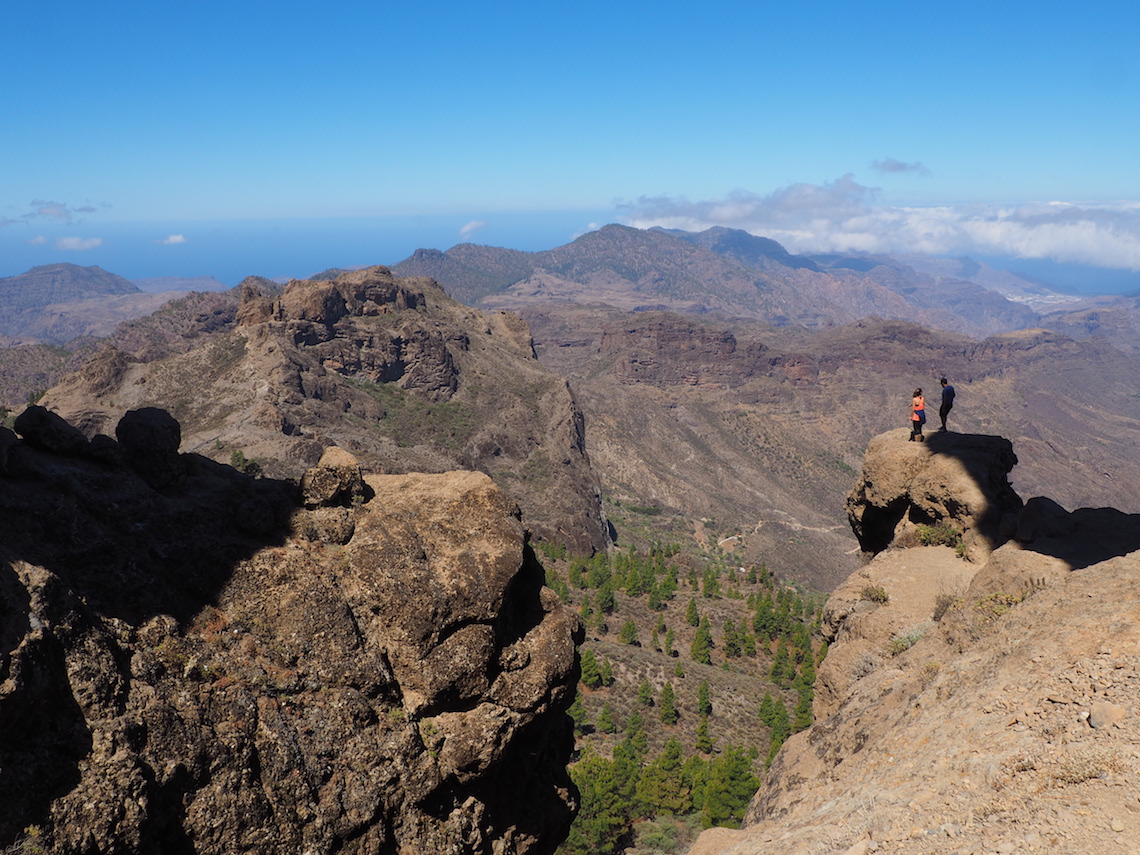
279 139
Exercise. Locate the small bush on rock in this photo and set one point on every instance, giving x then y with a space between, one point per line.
876 594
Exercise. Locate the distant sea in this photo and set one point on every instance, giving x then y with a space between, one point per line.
230 250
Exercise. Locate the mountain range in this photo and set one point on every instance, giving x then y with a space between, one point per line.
770 370
704 400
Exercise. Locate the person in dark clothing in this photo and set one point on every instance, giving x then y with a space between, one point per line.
947 401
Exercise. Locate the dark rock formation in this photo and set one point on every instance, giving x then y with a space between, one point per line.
47 430
214 668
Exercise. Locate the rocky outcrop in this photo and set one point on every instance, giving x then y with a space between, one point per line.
960 480
391 369
213 665
968 706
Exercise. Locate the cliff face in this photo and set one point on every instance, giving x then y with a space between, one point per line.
193 660
972 707
392 369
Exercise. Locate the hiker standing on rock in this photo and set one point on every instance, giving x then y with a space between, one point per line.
917 416
947 401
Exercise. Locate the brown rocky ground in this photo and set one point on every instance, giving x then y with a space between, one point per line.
983 708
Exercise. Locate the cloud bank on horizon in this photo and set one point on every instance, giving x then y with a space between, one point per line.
846 216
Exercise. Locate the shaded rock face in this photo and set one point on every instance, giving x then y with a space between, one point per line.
959 479
213 666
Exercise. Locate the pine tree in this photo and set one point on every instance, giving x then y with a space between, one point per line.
702 643
602 818
606 723
731 640
729 789
662 788
645 694
591 675
748 644
710 584
607 672
599 570
765 623
679 670
670 642
704 742
628 634
802 714
780 666
635 733
669 714
579 716
692 616
704 700
558 585
604 600
781 730
767 709
694 776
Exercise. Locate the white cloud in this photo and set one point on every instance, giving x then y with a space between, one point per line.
60 212
38 240
51 210
844 216
171 240
890 165
470 227
78 243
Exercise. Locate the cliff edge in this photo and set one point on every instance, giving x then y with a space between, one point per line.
985 706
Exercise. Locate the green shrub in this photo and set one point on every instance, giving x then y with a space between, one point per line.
906 640
876 594
939 534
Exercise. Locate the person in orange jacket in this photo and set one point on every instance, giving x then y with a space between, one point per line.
917 416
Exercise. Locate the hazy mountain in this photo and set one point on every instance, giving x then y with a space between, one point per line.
1018 287
726 271
750 250
59 283
56 303
1115 319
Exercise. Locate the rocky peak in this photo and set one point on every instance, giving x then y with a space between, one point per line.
220 663
966 705
390 368
957 479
